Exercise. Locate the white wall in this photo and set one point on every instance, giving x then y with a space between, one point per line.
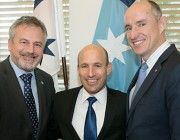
83 18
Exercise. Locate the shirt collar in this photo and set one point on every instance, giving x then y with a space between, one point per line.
17 70
101 96
155 56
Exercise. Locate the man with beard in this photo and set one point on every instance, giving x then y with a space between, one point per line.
25 104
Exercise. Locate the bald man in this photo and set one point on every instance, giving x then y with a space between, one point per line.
154 112
70 106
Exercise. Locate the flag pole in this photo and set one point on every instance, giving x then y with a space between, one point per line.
65 73
60 38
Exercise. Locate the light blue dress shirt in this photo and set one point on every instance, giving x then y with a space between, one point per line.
18 73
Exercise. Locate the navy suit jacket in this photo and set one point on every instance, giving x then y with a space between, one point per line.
114 121
14 118
155 111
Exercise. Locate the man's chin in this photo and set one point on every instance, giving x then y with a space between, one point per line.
28 68
91 91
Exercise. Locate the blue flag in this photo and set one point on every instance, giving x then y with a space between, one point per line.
110 34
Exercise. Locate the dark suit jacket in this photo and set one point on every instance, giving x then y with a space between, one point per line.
155 111
114 122
14 119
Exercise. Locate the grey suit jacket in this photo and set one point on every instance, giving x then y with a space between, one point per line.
14 120
155 111
114 123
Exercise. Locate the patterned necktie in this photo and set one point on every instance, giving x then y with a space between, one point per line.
90 129
141 77
29 99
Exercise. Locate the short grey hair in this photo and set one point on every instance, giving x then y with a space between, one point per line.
27 20
156 9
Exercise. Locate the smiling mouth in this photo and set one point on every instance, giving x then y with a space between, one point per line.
29 56
137 42
29 59
91 81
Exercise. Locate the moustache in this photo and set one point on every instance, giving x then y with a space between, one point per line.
33 55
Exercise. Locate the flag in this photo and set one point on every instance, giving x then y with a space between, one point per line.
110 34
47 12
103 25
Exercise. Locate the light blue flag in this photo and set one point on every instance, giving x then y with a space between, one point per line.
110 34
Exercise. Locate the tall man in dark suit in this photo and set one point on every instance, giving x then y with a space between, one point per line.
154 112
27 38
70 106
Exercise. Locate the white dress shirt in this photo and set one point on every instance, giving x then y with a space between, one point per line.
151 62
81 107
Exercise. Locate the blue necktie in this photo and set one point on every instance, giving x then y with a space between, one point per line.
90 129
141 77
29 99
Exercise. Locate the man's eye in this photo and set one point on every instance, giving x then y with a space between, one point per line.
23 42
128 28
38 45
98 66
142 24
83 66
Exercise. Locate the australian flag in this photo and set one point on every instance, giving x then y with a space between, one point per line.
110 34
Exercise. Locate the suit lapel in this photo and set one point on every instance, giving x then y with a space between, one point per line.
70 112
14 89
41 99
149 79
146 84
109 113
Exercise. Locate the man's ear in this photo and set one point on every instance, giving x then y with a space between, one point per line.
162 24
9 44
109 68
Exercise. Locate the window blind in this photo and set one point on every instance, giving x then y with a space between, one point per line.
10 10
171 9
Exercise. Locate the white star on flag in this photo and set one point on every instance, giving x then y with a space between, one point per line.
114 46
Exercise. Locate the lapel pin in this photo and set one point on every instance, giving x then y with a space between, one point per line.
42 82
155 70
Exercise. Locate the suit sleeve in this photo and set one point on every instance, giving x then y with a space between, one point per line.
173 102
53 129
